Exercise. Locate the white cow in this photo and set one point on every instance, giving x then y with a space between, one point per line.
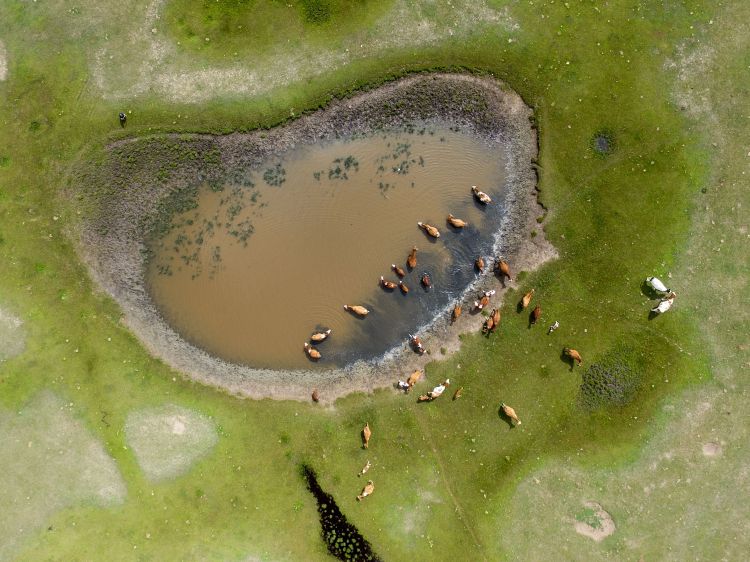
656 284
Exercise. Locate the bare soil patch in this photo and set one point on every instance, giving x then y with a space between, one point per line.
168 439
12 336
138 174
597 524
711 449
3 62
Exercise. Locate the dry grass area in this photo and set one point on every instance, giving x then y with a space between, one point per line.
168 439
49 461
153 62
3 62
12 337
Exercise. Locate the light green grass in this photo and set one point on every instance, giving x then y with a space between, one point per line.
452 478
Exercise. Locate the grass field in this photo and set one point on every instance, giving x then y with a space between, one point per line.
667 81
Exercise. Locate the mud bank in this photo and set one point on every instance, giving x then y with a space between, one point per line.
140 183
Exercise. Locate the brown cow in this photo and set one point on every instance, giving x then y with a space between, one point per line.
411 260
429 229
320 336
312 353
496 317
573 354
416 343
481 195
492 322
456 313
400 272
536 314
456 222
388 285
503 269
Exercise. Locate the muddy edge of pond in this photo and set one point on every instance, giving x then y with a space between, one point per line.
121 191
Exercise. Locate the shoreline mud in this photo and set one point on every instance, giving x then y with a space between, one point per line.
125 190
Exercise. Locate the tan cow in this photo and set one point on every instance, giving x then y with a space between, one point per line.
366 434
366 491
510 412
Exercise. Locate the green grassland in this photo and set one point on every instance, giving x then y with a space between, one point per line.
668 81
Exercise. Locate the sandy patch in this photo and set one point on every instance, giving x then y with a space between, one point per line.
112 242
12 336
711 449
3 62
598 525
167 440
49 461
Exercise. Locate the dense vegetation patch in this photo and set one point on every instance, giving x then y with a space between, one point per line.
613 380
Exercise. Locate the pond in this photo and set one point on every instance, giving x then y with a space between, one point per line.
261 262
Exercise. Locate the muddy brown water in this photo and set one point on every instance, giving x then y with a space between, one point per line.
265 260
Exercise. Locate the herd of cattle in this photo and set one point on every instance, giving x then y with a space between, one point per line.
502 269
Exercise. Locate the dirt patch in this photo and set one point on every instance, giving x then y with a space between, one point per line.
3 62
12 336
167 440
593 522
49 461
711 449
139 174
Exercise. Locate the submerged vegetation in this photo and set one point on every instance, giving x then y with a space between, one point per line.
181 223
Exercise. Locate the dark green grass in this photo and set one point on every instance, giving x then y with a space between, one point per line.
601 219
239 28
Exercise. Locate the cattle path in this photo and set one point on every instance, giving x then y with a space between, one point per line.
459 509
